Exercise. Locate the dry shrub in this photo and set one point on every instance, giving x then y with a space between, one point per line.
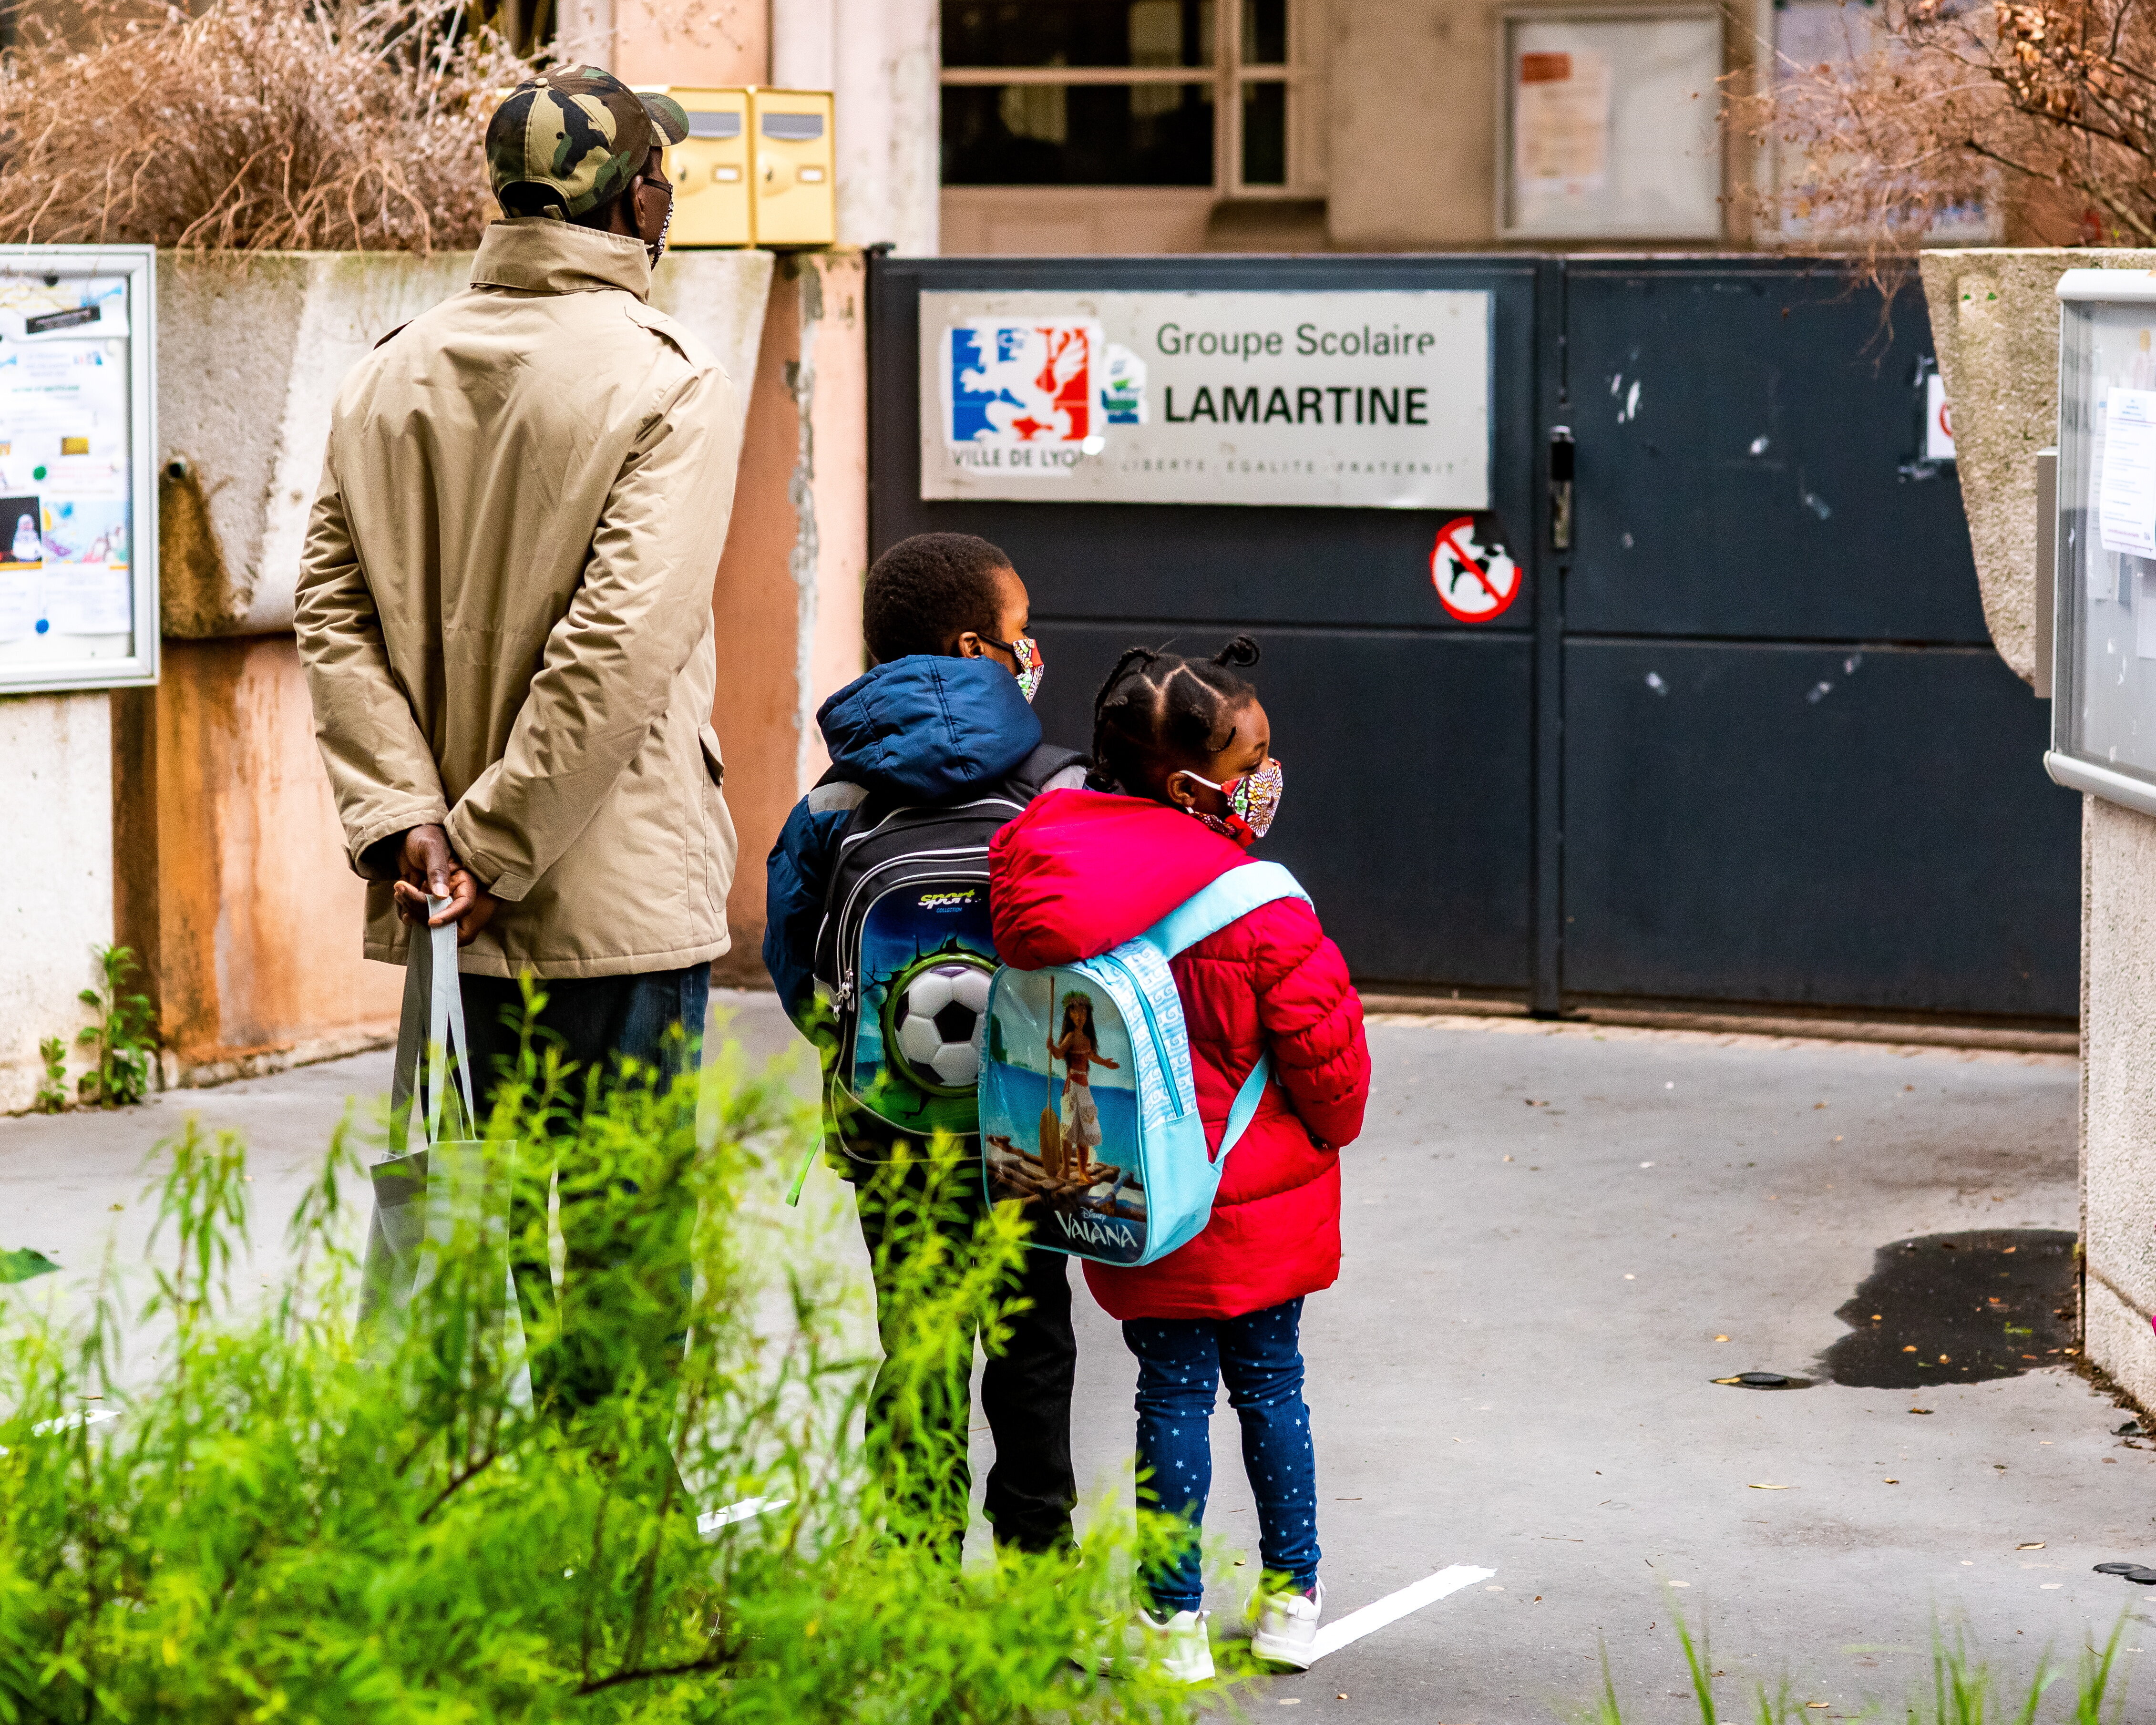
2044 106
257 125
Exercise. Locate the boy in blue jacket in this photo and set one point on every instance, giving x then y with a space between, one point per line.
942 721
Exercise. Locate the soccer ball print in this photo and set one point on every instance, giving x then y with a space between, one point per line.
936 1011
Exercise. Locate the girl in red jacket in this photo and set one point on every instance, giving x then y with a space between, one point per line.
1182 756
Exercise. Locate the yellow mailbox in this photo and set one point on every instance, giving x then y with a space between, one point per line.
796 203
712 170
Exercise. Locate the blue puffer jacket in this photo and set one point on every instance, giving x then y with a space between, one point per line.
924 729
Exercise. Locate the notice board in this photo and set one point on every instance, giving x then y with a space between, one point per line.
1611 123
1373 400
2103 705
78 440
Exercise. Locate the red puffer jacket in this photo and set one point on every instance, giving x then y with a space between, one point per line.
1082 871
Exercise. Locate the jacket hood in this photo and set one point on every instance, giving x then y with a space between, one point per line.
1082 871
927 728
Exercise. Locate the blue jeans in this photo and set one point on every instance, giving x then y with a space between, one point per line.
1181 1361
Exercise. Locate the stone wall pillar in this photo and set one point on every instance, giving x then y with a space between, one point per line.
55 877
791 580
2118 1093
1995 321
706 43
880 60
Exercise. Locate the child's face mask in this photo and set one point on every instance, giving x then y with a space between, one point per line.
1031 667
1253 802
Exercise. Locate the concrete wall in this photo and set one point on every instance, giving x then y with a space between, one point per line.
231 879
249 355
55 877
1411 86
1994 315
232 884
790 582
878 59
706 43
2118 1092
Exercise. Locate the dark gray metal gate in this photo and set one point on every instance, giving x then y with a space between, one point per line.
1746 741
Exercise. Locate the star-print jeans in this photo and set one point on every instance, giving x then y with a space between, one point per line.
1181 1361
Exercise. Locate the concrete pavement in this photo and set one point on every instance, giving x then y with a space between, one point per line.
1548 1231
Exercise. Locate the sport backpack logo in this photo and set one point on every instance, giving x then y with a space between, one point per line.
1088 1113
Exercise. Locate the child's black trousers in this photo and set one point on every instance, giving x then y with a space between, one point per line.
1025 1390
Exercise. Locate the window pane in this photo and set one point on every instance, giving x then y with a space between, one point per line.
1265 134
1078 135
1078 33
1265 33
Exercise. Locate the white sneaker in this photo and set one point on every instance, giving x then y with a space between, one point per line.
1283 1626
1178 1645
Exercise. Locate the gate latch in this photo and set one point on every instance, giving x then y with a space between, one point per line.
1560 487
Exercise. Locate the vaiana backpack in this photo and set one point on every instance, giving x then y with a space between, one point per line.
904 953
1110 1158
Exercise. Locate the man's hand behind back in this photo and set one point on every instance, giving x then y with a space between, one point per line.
427 867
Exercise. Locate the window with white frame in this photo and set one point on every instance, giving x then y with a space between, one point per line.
1127 93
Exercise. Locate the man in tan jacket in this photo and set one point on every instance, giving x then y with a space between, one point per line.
504 610
505 602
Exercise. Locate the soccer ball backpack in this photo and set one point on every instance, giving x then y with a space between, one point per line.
905 953
1088 1111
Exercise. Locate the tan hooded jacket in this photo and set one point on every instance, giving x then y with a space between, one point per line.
505 607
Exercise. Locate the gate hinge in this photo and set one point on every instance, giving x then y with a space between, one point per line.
1560 487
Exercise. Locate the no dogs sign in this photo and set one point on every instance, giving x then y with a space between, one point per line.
1474 583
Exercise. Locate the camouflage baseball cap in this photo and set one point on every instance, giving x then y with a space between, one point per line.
565 141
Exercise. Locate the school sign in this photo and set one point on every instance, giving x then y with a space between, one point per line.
1377 400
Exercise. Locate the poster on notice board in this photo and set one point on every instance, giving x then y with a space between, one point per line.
78 594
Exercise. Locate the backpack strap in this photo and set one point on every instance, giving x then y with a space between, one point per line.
1244 1108
1050 766
830 794
1231 896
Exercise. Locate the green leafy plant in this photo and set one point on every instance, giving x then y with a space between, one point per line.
52 1086
296 1517
1963 1689
123 1038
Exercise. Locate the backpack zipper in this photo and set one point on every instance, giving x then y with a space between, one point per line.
838 859
843 994
938 812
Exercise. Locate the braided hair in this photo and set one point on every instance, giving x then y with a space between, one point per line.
1159 713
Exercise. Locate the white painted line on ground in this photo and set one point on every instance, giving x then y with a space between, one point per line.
1356 1625
68 1422
712 1520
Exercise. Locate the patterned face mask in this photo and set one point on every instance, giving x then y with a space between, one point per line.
1031 667
1253 802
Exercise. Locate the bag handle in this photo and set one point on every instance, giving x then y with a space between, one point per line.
1230 897
433 998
